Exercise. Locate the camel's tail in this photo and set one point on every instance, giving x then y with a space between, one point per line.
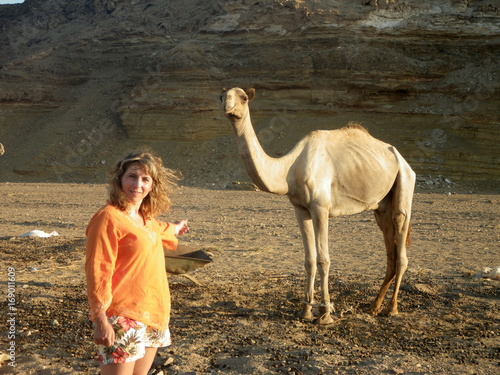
408 240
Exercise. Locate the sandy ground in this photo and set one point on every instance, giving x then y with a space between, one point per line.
240 320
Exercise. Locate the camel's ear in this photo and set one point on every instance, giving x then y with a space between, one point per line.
251 94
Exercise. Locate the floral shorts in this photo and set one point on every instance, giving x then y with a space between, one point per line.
131 340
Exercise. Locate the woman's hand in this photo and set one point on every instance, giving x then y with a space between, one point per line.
104 333
181 227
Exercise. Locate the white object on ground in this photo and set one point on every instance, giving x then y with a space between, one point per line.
491 273
39 233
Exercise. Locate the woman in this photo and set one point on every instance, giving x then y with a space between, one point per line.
127 284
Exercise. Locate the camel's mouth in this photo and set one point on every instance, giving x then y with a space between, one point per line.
231 115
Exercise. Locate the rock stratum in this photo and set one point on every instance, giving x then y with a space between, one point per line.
82 82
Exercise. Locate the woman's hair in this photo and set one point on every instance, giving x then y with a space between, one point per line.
164 183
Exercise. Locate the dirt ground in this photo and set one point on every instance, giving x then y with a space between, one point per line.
240 320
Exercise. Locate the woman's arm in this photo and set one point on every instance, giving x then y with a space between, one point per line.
104 334
170 231
101 253
181 227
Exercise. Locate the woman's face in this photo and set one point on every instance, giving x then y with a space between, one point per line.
136 183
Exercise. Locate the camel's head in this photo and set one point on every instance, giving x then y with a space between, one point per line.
234 102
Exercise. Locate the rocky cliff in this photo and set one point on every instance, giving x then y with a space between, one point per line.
82 81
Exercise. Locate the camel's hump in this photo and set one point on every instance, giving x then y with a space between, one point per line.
355 125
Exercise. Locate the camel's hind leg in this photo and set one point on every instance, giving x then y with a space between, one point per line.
401 214
385 223
395 213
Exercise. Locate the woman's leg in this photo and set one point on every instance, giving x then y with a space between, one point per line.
118 369
143 365
139 367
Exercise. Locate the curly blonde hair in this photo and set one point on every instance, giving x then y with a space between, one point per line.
164 183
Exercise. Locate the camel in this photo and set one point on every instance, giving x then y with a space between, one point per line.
327 174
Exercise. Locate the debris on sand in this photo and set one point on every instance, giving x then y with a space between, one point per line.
39 233
490 273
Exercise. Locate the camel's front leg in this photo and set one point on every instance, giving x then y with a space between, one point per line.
320 222
307 231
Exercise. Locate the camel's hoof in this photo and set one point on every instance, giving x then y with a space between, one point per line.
325 319
388 312
305 316
373 311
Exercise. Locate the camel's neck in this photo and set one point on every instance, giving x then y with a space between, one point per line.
269 174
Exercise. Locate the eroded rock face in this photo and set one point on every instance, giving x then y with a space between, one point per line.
83 81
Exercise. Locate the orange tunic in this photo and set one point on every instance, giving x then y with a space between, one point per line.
125 267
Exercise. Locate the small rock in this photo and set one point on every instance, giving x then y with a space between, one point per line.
44 284
244 186
169 361
54 322
26 334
